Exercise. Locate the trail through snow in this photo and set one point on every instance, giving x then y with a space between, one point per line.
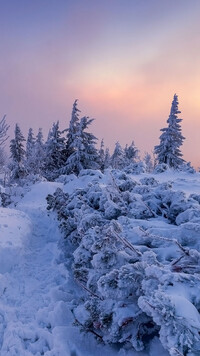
31 303
36 290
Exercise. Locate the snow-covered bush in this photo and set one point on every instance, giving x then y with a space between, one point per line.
138 284
65 178
149 181
187 167
135 168
160 168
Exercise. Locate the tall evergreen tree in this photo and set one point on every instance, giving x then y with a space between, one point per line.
131 153
3 130
102 156
39 153
107 159
3 137
54 152
148 162
84 153
30 143
30 151
17 154
118 157
72 130
2 159
168 151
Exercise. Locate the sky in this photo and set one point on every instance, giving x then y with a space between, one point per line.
122 59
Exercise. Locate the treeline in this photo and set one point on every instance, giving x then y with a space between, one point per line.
73 149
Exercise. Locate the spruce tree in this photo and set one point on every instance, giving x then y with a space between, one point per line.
53 151
72 130
118 157
17 154
3 130
102 155
148 162
84 153
168 151
30 157
39 153
107 159
131 153
3 137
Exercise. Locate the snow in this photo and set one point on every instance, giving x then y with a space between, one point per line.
36 197
36 289
15 227
186 182
185 309
35 304
31 304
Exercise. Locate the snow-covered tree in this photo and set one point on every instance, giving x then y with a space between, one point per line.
102 156
107 159
84 153
30 151
3 159
3 130
17 154
3 137
39 153
72 130
54 148
148 162
171 139
118 157
131 153
30 143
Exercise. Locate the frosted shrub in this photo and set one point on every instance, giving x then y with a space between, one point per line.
187 167
135 284
135 168
160 168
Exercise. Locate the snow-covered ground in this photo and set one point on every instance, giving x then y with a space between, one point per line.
36 289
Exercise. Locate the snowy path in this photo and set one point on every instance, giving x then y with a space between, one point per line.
36 289
31 305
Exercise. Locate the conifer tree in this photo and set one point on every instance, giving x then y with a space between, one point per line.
118 157
30 154
17 154
2 158
148 162
3 137
39 153
53 151
131 153
168 151
102 156
72 130
3 130
30 143
107 159
84 153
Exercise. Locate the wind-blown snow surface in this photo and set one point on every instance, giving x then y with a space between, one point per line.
36 289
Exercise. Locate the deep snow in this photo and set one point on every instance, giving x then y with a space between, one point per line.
36 290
